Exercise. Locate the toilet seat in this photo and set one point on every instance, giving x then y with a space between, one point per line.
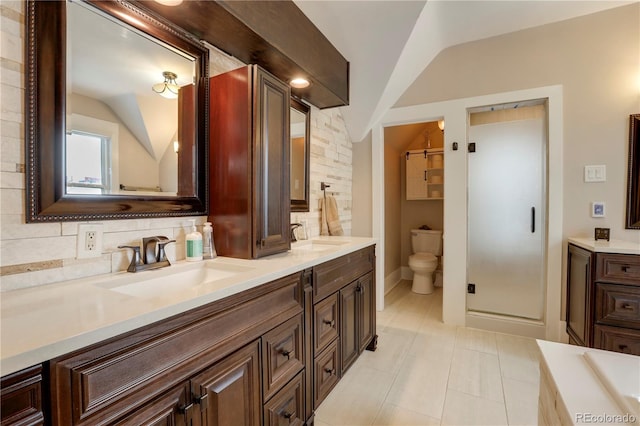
423 260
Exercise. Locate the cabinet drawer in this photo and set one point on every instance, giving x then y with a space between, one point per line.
618 268
282 355
21 396
331 276
617 339
326 372
287 406
325 316
618 305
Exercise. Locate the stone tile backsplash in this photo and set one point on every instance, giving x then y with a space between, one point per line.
39 254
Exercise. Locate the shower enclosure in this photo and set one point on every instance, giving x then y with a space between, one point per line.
507 210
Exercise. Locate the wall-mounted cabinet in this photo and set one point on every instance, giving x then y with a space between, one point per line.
425 174
249 163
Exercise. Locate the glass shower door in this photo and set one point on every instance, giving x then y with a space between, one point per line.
506 218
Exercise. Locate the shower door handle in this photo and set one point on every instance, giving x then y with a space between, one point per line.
533 220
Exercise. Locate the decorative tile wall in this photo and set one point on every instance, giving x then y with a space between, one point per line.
38 254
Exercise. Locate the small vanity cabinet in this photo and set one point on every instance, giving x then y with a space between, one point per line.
249 163
603 297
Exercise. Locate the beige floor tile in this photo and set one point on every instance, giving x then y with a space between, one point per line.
393 415
317 422
476 373
518 357
421 384
477 340
357 398
521 399
464 409
393 346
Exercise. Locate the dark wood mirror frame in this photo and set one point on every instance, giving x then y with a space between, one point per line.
633 184
303 205
45 120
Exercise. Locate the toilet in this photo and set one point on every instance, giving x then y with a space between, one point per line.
426 245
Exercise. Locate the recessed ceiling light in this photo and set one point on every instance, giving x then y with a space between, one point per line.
299 83
169 2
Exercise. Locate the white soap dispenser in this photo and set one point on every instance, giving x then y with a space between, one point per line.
193 244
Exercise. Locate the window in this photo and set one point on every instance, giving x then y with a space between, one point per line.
88 163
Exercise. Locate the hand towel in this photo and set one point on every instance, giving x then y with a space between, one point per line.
330 220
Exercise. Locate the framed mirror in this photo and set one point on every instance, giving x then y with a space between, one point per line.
633 183
117 112
300 151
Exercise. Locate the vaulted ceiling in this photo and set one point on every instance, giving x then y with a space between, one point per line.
389 43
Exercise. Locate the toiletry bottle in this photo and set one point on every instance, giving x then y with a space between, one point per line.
193 244
208 248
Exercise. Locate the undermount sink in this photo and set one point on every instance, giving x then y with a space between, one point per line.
173 279
317 245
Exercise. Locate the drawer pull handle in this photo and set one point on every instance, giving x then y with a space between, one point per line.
626 268
285 352
331 371
622 347
287 415
331 323
627 307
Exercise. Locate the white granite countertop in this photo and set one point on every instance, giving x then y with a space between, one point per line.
589 390
41 323
602 246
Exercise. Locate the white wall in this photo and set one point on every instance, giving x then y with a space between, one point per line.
43 253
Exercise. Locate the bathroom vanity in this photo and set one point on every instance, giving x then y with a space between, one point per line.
225 342
603 294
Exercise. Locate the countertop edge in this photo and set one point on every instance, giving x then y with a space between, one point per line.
601 246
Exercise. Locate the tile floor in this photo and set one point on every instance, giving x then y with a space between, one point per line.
425 372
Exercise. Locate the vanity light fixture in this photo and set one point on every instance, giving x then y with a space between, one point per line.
176 146
168 88
441 124
299 83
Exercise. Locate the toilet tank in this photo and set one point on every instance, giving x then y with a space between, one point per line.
426 241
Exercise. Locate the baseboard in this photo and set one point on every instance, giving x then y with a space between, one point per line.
392 280
505 324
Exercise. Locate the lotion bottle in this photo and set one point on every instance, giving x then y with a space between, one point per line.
208 248
193 244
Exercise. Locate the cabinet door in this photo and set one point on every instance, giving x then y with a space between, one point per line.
579 268
228 393
170 409
271 164
416 178
366 308
349 339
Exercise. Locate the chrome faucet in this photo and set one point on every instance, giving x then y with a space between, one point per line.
293 234
153 256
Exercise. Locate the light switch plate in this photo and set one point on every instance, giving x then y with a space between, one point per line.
595 173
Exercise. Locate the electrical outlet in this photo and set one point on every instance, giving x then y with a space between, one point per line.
89 240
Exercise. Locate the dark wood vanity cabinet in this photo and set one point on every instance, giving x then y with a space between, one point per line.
249 163
344 316
21 398
603 300
215 351
266 356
